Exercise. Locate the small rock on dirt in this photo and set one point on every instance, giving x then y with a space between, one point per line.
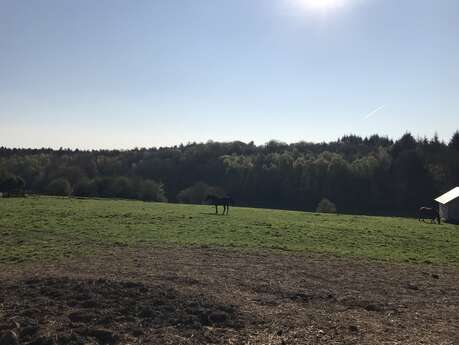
104 336
218 317
412 286
81 316
137 332
373 307
353 329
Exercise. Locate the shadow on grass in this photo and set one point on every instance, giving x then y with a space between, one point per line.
213 214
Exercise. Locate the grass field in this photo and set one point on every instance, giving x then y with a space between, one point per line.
86 271
48 229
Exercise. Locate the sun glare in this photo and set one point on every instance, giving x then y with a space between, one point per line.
321 5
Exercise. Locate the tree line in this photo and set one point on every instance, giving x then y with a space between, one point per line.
371 175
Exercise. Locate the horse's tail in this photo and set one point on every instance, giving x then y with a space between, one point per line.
438 218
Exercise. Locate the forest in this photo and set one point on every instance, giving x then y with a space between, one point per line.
371 175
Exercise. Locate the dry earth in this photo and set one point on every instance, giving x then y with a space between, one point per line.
216 296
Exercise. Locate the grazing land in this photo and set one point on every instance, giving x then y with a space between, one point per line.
82 271
45 228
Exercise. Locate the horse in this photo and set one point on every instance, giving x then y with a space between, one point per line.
217 201
429 213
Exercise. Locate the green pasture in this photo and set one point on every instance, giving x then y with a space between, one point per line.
47 229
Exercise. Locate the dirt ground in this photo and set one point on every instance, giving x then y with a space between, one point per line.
215 296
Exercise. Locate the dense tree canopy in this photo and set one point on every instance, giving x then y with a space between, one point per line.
373 175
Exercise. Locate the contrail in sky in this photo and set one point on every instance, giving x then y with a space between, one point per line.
370 114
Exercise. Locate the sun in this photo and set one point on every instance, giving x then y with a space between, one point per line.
321 5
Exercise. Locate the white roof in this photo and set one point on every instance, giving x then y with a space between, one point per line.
449 196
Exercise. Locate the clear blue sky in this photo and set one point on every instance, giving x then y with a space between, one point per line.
121 74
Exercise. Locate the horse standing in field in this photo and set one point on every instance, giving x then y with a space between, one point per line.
429 213
216 201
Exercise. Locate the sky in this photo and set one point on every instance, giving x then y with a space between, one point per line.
121 74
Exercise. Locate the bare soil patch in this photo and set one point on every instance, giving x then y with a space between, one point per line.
215 296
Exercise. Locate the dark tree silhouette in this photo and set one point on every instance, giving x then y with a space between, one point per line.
373 175
454 142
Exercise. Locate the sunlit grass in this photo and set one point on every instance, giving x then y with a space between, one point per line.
48 228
